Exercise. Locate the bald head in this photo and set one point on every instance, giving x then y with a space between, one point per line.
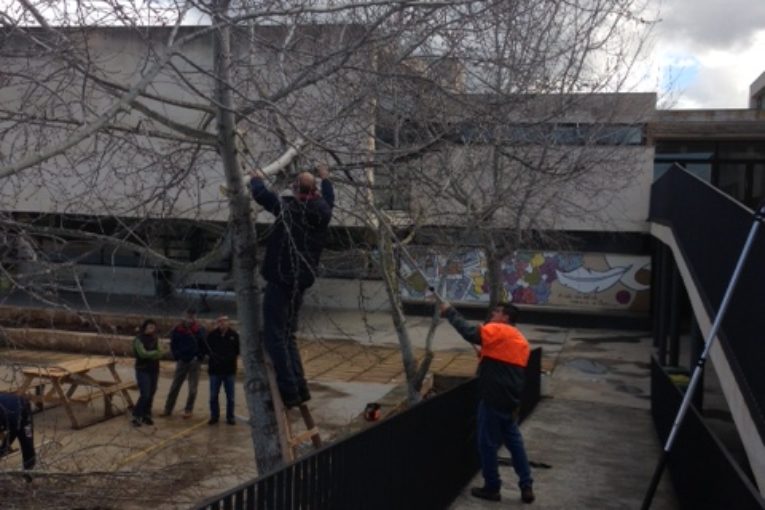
306 182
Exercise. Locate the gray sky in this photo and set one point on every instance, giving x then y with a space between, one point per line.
707 52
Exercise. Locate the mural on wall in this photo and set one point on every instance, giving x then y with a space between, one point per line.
544 278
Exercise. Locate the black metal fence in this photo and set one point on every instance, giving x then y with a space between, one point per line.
710 228
703 472
420 459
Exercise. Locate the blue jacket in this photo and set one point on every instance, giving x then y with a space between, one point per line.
185 342
298 236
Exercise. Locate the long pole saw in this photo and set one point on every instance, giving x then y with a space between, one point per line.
413 263
759 217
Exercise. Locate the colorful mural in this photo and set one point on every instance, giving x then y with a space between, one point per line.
544 278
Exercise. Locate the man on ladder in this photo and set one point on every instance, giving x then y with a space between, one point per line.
292 257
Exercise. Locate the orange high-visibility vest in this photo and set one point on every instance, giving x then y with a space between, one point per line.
503 342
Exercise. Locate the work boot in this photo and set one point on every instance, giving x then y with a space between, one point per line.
230 421
527 494
187 415
487 494
147 420
135 422
212 421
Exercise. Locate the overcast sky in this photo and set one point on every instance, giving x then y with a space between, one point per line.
707 52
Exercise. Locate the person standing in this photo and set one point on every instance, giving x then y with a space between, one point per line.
292 257
147 355
16 423
501 373
222 348
185 340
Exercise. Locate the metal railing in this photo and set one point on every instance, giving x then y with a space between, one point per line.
703 473
710 228
419 459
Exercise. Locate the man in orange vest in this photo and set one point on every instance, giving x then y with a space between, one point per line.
504 356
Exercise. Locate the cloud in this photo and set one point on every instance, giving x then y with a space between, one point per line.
706 53
718 79
712 24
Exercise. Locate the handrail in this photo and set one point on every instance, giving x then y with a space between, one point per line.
709 228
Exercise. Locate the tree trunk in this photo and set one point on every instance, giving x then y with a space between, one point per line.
390 277
264 429
494 272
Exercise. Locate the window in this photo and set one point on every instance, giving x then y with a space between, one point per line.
736 167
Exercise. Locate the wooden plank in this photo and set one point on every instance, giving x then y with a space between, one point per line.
66 403
125 394
85 364
46 372
282 421
310 425
303 437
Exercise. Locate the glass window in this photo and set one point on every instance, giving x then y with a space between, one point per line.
700 170
685 147
741 150
732 180
758 184
659 169
684 156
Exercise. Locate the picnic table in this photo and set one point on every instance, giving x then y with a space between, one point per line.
66 377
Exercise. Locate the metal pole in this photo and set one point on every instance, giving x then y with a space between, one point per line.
697 371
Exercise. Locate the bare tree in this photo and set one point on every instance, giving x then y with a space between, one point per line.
118 113
117 119
530 137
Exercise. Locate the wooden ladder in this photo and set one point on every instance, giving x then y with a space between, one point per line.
291 441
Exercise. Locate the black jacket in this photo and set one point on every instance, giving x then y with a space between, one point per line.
298 236
500 384
16 423
222 349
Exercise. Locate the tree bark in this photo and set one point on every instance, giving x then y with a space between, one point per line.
264 428
493 272
390 277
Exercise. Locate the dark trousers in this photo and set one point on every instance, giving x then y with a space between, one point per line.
494 428
228 386
147 387
17 424
183 369
281 306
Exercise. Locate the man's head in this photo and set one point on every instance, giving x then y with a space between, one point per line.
191 316
504 313
305 183
222 322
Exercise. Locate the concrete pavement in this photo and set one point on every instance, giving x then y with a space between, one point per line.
594 429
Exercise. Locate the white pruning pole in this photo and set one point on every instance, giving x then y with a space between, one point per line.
408 256
410 260
285 159
275 166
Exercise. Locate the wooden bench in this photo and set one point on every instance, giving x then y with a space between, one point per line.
66 377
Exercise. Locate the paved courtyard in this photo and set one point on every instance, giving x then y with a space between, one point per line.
593 428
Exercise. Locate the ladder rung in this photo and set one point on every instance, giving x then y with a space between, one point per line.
304 436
